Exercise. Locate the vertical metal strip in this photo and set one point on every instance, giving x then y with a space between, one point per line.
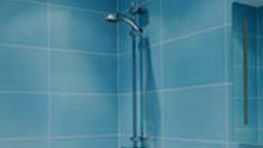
245 71
134 83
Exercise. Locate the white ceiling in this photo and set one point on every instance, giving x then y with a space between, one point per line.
256 3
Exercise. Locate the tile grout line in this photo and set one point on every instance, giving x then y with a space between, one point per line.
55 93
175 89
58 137
113 135
23 47
161 45
226 73
186 36
193 140
76 51
247 129
117 79
182 37
88 10
161 66
195 33
183 88
83 94
49 77
79 9
22 138
23 92
193 87
85 136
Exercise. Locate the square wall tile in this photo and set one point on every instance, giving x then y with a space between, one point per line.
194 61
80 30
23 69
23 23
195 114
23 115
76 72
181 17
84 115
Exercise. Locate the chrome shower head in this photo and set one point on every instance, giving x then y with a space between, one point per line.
112 17
116 17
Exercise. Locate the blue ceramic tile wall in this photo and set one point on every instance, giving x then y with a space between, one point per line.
58 81
187 104
188 52
66 78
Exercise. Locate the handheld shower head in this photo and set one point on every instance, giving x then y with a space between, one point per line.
112 17
116 17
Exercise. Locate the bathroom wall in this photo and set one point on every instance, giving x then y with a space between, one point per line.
188 74
58 74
